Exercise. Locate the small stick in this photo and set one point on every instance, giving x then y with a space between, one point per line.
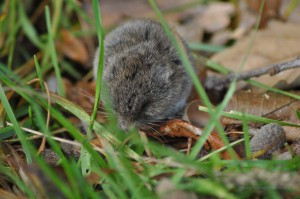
272 69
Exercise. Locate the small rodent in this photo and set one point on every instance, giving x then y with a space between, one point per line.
144 79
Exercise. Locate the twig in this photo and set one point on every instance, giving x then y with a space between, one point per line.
219 85
272 69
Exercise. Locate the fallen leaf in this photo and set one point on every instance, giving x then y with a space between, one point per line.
277 43
180 128
267 104
271 9
194 116
73 47
82 94
289 14
217 16
8 195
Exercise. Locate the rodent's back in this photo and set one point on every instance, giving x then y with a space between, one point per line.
143 74
133 33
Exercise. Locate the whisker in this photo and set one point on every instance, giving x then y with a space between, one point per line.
175 117
105 114
152 124
91 97
153 129
86 94
98 109
159 121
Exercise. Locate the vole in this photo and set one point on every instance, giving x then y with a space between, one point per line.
144 80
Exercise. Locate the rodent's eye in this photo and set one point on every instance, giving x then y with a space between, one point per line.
177 62
145 105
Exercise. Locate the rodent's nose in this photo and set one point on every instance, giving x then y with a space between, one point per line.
124 125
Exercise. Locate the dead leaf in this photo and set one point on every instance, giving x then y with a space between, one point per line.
221 38
8 195
116 11
82 94
41 183
194 116
288 14
277 43
180 128
217 16
271 9
268 104
73 47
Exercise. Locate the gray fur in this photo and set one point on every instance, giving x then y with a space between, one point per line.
143 77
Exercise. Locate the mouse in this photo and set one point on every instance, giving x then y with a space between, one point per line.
143 81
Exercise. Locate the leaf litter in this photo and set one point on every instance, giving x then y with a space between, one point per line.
276 42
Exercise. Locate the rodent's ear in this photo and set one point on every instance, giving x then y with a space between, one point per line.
164 74
95 63
167 75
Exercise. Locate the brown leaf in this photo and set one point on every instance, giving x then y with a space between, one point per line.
217 16
180 128
41 183
94 178
97 142
73 47
289 14
271 9
83 94
116 11
31 175
194 116
268 104
275 44
8 195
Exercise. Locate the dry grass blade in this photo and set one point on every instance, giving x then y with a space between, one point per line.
57 138
8 195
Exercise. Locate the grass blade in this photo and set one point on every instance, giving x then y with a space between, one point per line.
51 47
17 128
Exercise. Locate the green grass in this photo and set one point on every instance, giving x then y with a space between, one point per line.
123 169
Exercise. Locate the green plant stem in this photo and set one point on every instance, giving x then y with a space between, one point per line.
17 128
12 33
53 54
